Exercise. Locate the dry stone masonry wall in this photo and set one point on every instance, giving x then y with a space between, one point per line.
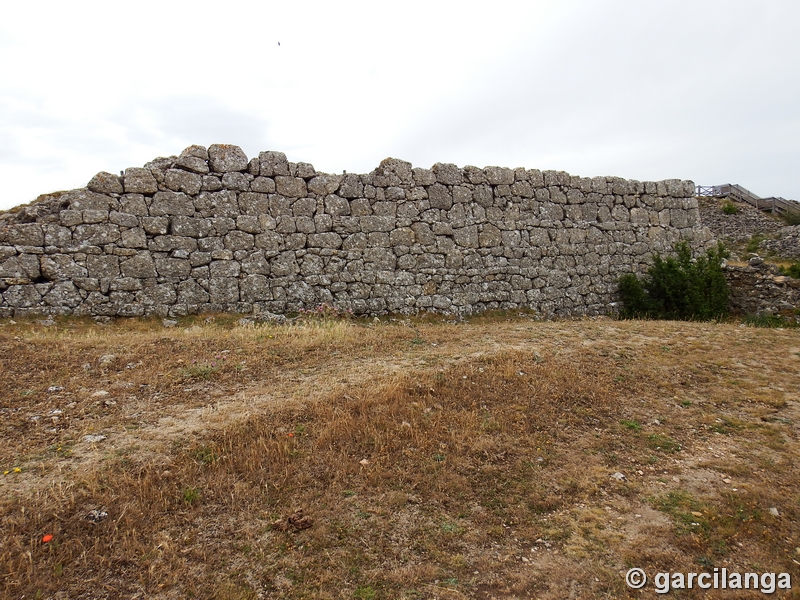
210 230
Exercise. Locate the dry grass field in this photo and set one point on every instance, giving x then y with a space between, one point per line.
499 457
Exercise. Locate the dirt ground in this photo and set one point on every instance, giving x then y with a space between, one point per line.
500 457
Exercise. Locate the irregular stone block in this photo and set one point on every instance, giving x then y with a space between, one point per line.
375 223
305 170
105 183
489 237
448 174
292 187
223 158
239 240
440 197
103 266
133 204
498 175
182 181
324 240
263 185
273 163
195 164
190 227
94 216
351 187
173 267
22 266
191 292
140 266
139 181
58 267
63 295
123 219
237 181
467 237
324 184
22 296
26 234
96 235
171 203
423 177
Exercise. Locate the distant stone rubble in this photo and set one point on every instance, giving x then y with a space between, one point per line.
211 231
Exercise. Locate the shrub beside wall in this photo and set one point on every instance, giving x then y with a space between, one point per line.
680 287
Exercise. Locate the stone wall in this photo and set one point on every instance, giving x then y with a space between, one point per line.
210 230
761 289
738 227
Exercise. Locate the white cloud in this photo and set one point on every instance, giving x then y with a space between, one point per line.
705 89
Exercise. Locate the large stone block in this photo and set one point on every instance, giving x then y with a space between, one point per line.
171 203
498 175
440 196
224 158
22 266
467 237
105 183
239 182
63 295
255 288
324 184
448 174
374 223
178 180
324 240
239 240
22 296
26 234
139 181
273 163
58 267
291 187
140 266
173 267
168 243
96 235
103 266
351 187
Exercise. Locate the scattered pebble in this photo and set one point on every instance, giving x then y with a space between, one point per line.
100 394
95 516
774 512
363 462
169 322
106 360
54 389
93 438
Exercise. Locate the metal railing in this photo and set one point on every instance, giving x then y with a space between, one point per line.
731 190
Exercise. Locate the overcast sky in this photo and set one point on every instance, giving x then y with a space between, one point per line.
707 90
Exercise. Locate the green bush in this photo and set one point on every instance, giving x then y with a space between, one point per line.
679 288
754 242
770 320
729 208
792 270
791 218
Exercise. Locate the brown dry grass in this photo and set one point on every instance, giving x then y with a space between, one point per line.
430 459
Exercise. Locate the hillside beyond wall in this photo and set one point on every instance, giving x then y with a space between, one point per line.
210 230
